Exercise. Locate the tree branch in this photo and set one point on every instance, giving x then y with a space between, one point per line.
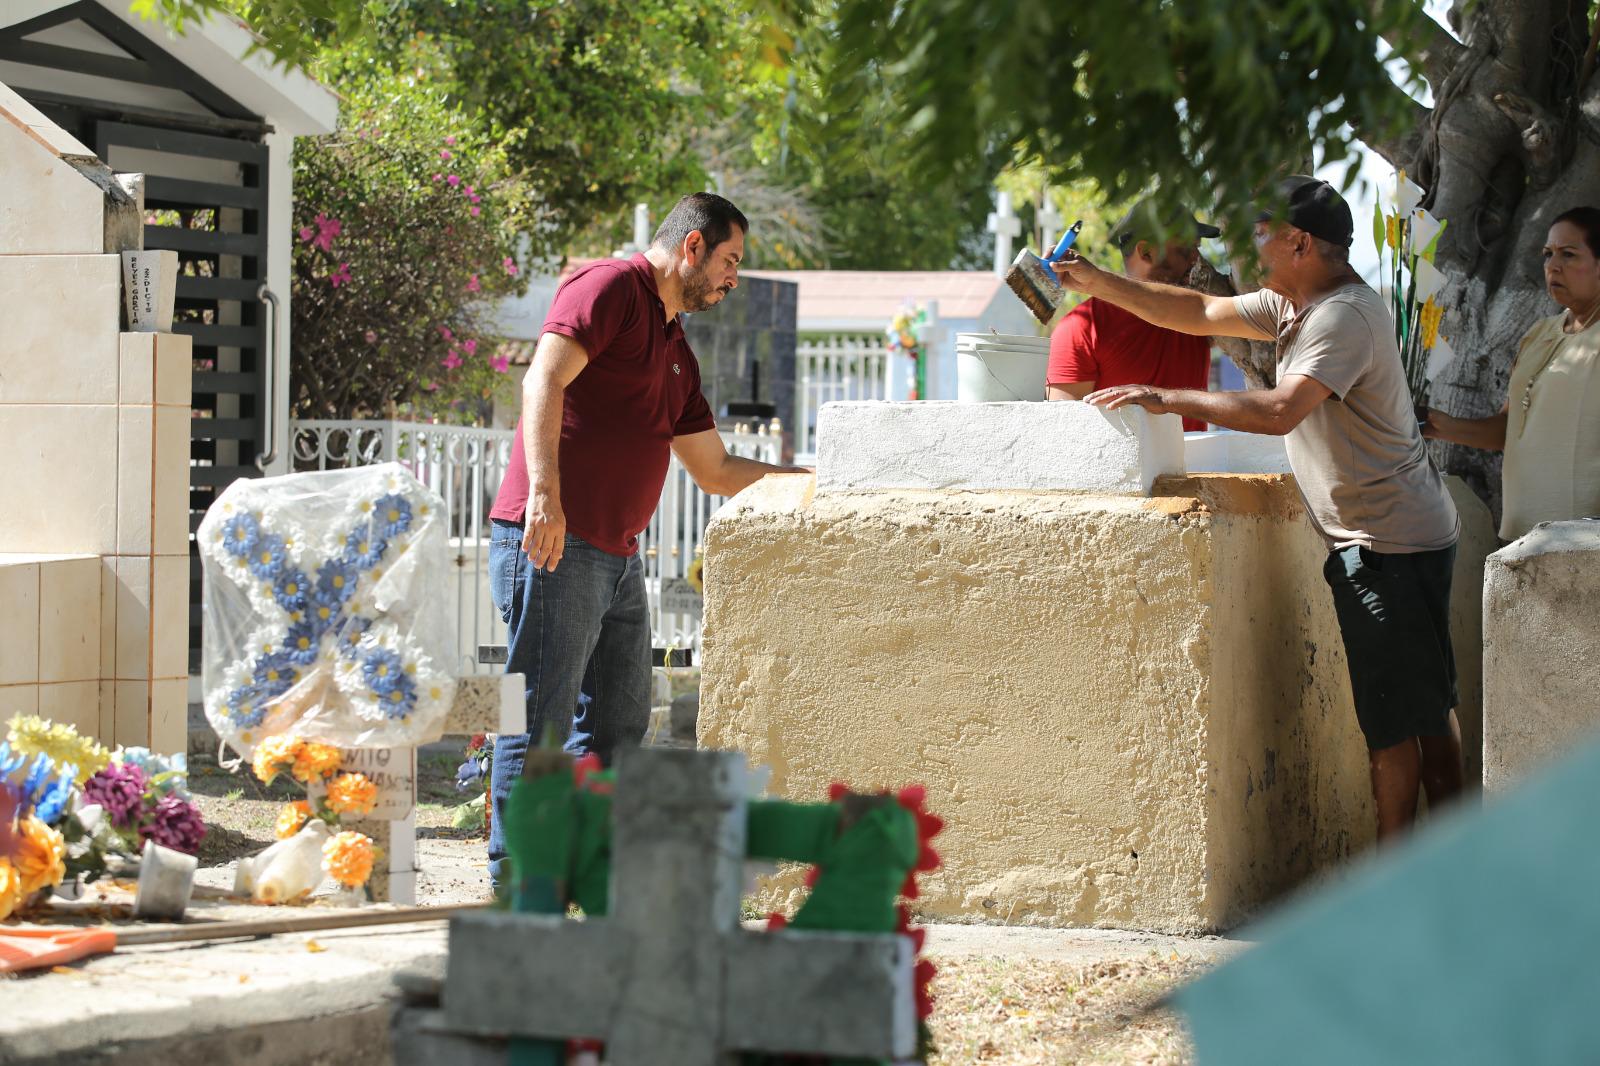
1434 48
1541 134
1398 148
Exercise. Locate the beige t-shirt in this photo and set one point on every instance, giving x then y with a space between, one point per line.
1552 463
1358 456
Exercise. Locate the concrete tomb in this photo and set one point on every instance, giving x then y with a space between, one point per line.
1541 649
1124 688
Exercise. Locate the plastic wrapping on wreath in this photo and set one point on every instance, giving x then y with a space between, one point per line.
324 605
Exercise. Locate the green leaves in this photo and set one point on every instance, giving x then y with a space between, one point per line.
408 222
1211 97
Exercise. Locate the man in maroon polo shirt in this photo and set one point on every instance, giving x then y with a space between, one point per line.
1098 345
613 391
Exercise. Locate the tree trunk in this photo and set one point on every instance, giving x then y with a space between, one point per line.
1256 360
1512 140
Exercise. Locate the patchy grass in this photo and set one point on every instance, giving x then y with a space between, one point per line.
1028 1012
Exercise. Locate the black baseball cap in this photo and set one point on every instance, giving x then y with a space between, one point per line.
1316 207
1140 221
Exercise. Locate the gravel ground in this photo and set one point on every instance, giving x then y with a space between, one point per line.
1006 995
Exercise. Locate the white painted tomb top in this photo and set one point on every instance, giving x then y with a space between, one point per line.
1071 447
1228 452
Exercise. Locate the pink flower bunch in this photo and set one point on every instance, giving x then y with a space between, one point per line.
501 363
451 361
340 276
474 285
511 265
322 236
119 788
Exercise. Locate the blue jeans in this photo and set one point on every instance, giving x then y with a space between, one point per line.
580 635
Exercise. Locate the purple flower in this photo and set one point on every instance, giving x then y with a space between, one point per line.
175 824
119 788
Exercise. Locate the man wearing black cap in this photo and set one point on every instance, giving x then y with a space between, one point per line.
1353 443
1099 344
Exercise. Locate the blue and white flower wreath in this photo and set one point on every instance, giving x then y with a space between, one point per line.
316 609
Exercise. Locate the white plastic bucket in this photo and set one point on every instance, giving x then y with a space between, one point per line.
993 368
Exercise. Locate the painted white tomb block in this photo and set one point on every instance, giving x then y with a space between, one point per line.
1070 447
1224 451
1541 649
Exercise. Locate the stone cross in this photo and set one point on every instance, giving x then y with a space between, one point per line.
669 976
1005 226
1050 221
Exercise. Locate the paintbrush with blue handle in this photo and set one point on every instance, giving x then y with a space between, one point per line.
1035 284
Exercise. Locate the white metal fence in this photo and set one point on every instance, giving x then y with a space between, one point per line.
841 367
464 466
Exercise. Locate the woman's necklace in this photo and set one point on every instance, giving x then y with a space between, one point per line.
1583 322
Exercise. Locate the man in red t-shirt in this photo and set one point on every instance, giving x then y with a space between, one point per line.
1098 345
613 391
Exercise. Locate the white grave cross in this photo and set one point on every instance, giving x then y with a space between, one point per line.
1050 221
668 976
1006 226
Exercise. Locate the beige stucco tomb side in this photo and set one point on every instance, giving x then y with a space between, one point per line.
1132 712
1541 650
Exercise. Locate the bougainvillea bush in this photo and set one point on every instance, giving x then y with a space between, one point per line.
406 234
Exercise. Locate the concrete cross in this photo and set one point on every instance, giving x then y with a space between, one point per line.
1005 226
1050 221
669 976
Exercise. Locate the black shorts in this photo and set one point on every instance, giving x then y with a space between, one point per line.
1394 615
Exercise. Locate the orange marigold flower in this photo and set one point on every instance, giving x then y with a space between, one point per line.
10 888
273 756
315 761
352 794
347 857
291 818
41 858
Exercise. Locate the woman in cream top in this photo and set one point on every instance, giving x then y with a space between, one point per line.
1549 426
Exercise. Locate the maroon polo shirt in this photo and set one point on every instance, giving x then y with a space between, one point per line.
640 388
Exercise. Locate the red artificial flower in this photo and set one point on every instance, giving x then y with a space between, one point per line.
922 976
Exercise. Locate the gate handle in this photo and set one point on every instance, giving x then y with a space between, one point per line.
269 398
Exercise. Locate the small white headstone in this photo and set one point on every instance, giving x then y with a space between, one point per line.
149 287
